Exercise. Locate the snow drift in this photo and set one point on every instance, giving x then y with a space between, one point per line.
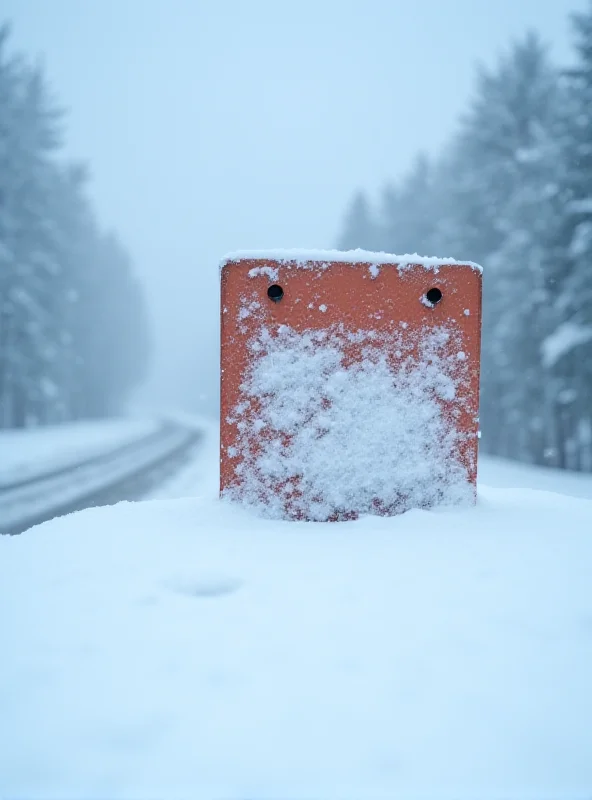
188 649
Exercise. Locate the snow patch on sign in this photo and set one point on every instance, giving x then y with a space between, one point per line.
321 259
321 437
247 308
271 272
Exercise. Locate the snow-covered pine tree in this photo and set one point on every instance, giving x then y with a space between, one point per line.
359 227
503 171
567 350
112 331
10 69
36 138
73 326
409 212
73 234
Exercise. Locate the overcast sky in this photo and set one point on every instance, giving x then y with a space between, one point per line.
213 126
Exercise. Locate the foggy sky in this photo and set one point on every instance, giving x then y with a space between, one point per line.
213 126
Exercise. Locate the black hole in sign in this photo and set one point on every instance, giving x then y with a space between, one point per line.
433 296
275 293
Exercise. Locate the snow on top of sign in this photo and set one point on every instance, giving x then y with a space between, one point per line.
362 437
303 258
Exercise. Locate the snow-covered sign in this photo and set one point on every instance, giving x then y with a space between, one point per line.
349 382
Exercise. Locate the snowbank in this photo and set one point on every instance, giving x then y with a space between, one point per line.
185 649
504 474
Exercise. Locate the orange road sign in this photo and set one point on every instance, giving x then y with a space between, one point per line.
349 382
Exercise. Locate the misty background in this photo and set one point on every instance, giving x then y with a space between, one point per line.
142 140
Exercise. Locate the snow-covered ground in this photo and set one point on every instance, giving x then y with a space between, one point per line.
199 478
27 453
506 474
182 648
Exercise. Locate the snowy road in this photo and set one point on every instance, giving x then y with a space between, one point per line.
133 464
28 453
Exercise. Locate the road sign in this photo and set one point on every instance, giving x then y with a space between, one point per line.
349 382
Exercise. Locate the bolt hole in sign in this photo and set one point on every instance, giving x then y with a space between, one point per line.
349 382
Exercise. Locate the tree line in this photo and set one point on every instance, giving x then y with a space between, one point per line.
512 190
74 336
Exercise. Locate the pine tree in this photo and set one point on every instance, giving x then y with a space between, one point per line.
503 171
73 235
568 347
73 326
514 191
409 212
113 340
359 229
36 138
9 85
